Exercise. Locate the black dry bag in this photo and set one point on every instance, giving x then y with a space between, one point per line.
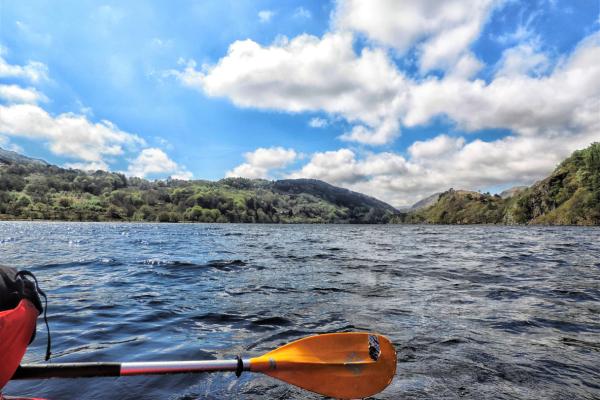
16 286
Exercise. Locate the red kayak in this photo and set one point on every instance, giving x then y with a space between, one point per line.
16 327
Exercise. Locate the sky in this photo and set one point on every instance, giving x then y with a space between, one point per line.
397 99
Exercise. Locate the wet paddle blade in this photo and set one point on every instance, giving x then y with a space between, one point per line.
340 365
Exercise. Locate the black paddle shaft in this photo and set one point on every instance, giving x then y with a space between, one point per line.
70 370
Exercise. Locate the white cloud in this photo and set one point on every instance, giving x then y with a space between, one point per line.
154 161
466 67
523 59
265 16
443 30
549 107
70 134
342 167
302 12
260 162
317 122
436 147
6 144
565 102
309 73
67 134
444 162
90 166
33 71
17 94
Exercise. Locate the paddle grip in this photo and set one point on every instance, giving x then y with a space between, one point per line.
71 370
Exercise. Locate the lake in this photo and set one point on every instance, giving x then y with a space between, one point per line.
474 311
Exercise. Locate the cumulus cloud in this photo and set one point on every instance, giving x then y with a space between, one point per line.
564 102
6 144
436 147
523 59
73 135
441 163
262 161
309 73
326 74
90 166
32 71
154 161
343 168
548 106
443 30
18 94
67 134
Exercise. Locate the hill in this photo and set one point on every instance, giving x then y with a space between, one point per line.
426 202
569 196
508 193
8 157
34 189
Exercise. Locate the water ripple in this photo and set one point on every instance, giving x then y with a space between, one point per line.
474 312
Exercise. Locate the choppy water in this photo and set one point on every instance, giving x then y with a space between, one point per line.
474 312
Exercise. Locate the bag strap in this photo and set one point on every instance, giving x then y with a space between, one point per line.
24 274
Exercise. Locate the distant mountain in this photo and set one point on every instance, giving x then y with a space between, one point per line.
569 196
8 157
508 193
426 202
34 189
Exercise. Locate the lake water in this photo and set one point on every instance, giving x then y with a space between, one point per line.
474 311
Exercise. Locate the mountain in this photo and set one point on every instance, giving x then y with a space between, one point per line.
426 202
8 157
569 196
508 193
34 189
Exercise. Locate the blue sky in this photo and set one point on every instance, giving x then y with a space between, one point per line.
397 99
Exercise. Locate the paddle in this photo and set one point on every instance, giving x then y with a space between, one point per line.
341 365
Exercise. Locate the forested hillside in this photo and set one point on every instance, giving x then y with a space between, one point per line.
569 196
33 189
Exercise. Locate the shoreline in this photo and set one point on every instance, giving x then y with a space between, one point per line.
282 223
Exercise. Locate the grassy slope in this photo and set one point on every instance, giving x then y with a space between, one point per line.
569 196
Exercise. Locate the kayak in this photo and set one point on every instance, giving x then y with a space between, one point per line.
16 327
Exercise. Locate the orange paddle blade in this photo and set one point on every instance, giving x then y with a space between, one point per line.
340 365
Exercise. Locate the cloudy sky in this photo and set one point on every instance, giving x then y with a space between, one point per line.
394 98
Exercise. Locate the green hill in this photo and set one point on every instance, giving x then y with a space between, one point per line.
33 189
569 196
